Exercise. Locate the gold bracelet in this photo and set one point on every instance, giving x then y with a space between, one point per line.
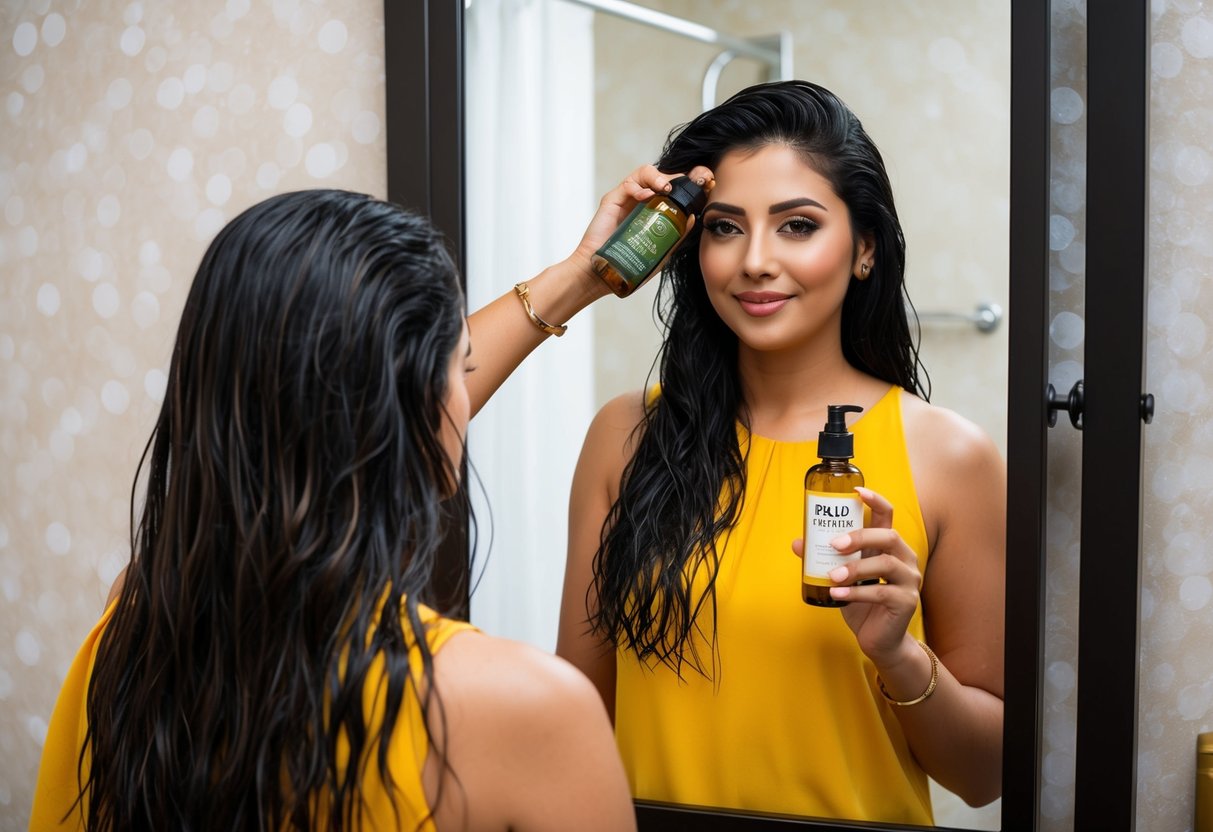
523 291
930 685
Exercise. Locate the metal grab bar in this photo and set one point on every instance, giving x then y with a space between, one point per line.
986 317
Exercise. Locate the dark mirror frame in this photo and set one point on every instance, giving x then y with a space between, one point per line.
425 142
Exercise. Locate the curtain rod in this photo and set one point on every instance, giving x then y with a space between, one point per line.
686 28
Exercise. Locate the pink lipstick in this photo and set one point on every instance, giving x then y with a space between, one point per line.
762 304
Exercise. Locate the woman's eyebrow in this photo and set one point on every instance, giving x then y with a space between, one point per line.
724 208
780 207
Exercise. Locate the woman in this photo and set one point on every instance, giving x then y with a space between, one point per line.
267 662
679 602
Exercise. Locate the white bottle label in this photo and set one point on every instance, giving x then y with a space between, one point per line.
826 516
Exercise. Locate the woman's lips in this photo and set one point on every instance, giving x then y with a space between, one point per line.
762 304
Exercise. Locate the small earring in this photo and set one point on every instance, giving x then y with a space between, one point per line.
863 271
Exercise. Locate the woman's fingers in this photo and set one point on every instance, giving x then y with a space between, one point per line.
885 556
882 509
647 180
885 567
703 177
643 182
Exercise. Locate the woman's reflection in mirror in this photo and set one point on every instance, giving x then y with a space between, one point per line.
682 597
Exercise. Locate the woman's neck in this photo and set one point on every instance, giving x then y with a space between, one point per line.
786 392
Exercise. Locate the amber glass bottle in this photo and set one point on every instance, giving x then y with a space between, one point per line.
640 246
831 506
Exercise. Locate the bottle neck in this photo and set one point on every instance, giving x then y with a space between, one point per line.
840 463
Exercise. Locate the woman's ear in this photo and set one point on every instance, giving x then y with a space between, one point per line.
865 255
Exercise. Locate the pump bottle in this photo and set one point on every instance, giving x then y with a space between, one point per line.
640 246
831 506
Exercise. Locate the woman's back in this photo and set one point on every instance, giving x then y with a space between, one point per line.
520 729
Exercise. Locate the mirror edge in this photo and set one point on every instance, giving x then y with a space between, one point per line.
416 159
1027 424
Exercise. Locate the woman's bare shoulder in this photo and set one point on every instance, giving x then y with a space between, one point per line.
947 436
528 737
478 669
621 415
611 441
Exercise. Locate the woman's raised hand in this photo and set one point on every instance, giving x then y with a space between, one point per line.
613 208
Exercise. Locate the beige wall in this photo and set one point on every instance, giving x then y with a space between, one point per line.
129 133
931 83
1176 667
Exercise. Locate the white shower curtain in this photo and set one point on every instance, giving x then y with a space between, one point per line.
529 66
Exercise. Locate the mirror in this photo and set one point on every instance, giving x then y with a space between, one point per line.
950 54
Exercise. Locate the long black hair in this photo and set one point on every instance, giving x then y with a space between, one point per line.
683 487
292 512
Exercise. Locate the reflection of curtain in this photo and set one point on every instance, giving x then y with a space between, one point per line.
529 67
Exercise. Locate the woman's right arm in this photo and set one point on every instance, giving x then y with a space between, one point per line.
604 454
502 334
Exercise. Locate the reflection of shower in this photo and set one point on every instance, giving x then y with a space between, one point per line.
773 50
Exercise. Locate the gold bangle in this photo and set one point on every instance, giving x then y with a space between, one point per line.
523 291
930 685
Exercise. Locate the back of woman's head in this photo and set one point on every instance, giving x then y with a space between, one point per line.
311 365
293 483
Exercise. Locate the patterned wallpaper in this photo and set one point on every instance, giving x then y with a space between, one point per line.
130 132
1176 667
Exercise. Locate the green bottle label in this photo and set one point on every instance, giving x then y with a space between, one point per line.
639 245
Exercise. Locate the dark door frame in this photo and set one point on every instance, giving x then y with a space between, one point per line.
1109 582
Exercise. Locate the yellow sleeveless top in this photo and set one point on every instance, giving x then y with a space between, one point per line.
791 720
57 786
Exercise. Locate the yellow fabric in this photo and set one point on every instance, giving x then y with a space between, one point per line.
58 787
792 720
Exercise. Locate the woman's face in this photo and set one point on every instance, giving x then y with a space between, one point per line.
458 407
778 251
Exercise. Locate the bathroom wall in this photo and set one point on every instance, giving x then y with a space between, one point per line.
930 81
1176 666
129 134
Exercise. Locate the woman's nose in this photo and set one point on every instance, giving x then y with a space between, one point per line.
758 262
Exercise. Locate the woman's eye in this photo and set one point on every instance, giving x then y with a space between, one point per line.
800 226
722 228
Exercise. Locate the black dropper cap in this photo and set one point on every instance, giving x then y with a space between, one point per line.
836 442
687 195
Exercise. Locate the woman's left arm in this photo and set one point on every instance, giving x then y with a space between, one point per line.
956 732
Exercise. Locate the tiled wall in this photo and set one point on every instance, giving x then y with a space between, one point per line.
129 134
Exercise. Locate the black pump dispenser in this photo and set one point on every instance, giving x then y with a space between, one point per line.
689 196
835 441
